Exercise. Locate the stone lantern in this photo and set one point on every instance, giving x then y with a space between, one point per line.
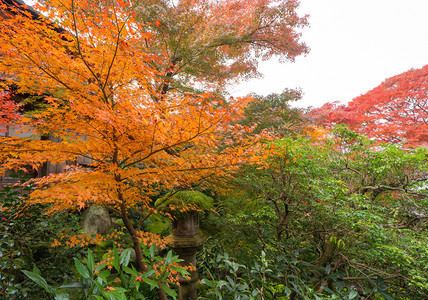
186 239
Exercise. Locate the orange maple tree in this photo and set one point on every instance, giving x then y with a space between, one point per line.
396 111
98 70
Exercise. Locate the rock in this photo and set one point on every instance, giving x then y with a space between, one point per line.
133 255
95 220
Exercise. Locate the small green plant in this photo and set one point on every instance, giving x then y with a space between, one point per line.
112 278
280 277
241 282
16 236
25 238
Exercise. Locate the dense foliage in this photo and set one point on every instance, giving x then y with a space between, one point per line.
334 217
292 210
215 43
393 112
98 72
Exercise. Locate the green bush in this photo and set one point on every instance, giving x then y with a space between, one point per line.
112 278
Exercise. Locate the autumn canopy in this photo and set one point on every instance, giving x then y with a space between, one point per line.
125 101
111 76
394 112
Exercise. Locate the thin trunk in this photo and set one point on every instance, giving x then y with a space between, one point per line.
328 251
282 224
137 247
164 87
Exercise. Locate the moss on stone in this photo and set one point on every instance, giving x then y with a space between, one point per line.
183 198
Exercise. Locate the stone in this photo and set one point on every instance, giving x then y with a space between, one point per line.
186 240
186 224
95 220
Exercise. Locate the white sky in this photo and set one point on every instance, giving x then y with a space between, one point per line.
355 45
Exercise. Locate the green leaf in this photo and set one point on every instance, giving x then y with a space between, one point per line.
115 294
152 250
124 280
125 256
116 264
120 289
149 273
74 285
83 271
385 295
62 296
151 282
145 251
328 269
181 270
207 282
328 290
91 261
170 292
39 280
100 266
103 275
168 258
352 295
140 296
99 287
287 291
130 271
36 270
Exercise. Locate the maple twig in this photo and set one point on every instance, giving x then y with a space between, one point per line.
76 33
110 208
50 74
164 148
120 29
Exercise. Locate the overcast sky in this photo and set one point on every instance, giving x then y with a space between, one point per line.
355 45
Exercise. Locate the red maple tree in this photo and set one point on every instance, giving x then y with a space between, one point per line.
333 113
396 111
9 110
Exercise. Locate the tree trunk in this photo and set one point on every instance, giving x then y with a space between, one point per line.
137 247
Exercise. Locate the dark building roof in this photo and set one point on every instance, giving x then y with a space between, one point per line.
16 6
13 7
8 9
